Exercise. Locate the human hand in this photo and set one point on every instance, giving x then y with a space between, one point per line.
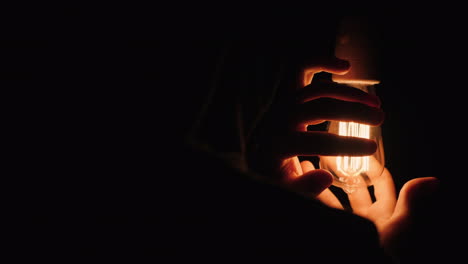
392 217
303 103
287 138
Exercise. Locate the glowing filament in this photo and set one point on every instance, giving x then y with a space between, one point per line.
353 166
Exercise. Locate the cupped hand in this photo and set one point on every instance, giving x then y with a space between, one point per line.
392 215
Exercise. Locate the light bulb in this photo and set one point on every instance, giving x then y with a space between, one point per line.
356 43
353 172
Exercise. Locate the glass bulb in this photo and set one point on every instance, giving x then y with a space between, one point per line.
353 172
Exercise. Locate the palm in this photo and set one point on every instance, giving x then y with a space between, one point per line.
390 215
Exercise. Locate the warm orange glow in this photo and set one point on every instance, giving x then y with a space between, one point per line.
353 166
346 80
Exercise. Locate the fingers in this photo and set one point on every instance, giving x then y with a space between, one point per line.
412 194
312 182
320 89
326 100
291 168
360 200
331 65
324 144
384 192
307 166
314 112
327 197
385 195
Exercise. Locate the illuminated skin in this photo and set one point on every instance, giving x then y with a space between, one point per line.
313 104
320 101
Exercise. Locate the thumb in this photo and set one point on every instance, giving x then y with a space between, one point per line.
394 236
414 193
312 182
